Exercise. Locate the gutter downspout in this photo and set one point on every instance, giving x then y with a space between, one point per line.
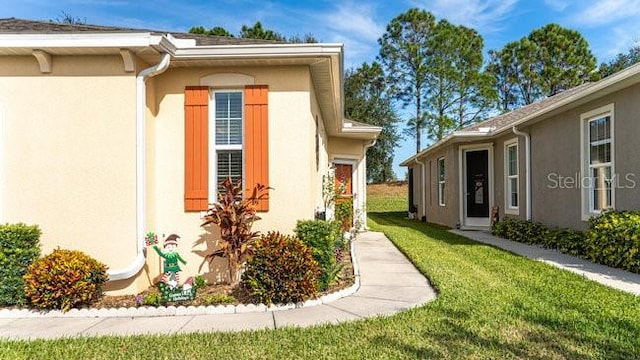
364 184
141 162
527 152
423 184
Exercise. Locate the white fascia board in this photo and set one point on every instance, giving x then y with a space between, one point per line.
113 40
269 50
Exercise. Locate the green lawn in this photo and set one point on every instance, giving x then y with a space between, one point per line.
491 304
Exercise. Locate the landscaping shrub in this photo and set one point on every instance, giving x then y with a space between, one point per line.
325 240
613 239
64 279
281 270
235 214
344 213
19 247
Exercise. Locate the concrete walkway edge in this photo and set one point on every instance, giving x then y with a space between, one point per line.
612 277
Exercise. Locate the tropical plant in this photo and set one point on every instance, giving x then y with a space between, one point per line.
281 270
235 215
64 279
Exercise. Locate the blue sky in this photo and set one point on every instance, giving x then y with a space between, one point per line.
610 26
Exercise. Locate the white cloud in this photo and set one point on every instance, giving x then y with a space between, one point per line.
556 5
484 16
354 25
356 20
595 13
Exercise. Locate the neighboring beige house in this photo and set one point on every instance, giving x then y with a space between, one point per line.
558 161
109 133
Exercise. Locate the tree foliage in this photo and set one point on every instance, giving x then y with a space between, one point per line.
257 31
404 53
438 68
459 92
367 100
216 30
66 18
620 62
549 60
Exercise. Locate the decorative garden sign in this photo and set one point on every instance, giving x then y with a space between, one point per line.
169 288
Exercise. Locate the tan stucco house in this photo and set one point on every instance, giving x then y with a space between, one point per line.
558 161
109 133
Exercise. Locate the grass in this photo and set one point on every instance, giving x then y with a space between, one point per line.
491 304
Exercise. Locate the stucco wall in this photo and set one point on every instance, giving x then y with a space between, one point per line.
556 152
67 153
292 170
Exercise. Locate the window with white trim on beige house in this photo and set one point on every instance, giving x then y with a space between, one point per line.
597 161
512 177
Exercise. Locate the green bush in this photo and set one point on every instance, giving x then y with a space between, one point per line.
324 238
344 213
216 299
281 270
613 239
64 279
19 247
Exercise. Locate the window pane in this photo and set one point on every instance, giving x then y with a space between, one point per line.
222 105
601 187
441 169
229 164
228 120
600 129
601 153
513 189
441 193
513 160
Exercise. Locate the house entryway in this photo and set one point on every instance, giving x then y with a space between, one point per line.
476 187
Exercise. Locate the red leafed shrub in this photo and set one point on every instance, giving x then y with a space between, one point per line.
281 270
64 279
235 215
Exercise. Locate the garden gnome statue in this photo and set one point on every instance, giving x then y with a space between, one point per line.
171 257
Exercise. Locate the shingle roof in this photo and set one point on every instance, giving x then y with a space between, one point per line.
511 117
22 26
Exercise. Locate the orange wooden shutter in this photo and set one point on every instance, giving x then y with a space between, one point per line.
196 130
256 139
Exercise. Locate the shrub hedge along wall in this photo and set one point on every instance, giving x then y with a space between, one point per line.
19 247
613 238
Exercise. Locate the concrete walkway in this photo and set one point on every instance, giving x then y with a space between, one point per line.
615 278
389 283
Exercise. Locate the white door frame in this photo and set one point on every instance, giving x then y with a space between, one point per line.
474 223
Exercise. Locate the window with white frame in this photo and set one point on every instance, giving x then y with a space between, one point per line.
512 182
227 126
598 161
441 181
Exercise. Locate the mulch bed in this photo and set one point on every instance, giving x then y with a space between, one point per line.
241 294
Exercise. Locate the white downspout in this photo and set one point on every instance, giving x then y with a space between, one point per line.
141 161
423 191
527 155
364 185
